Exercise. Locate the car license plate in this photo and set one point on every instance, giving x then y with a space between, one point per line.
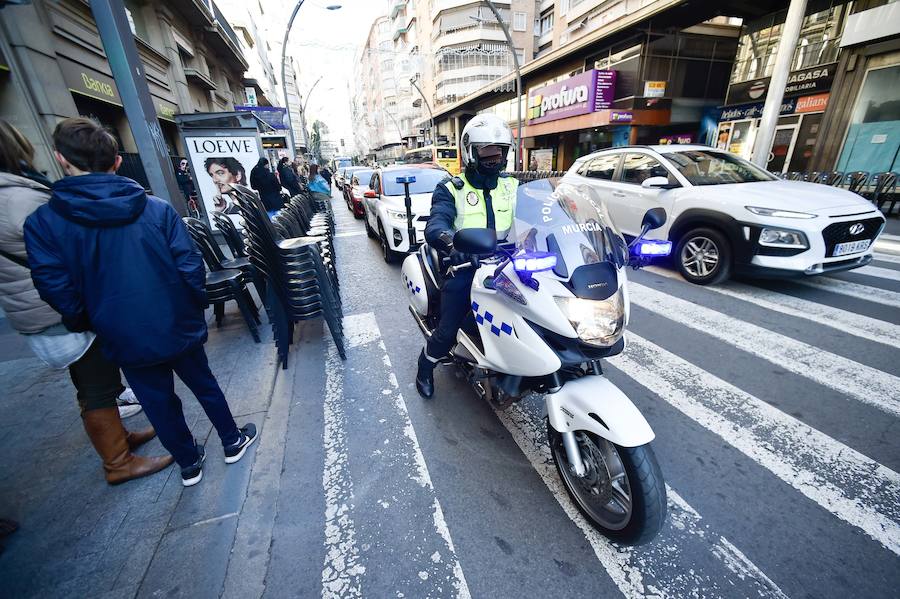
851 247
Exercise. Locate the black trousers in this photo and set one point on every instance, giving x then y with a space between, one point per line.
455 303
97 380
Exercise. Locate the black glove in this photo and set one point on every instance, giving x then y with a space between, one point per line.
445 242
457 258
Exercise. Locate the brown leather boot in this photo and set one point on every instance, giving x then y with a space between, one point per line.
105 430
137 438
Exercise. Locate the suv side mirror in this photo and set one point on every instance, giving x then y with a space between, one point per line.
475 241
656 183
653 218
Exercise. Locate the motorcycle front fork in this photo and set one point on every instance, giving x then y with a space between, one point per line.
573 454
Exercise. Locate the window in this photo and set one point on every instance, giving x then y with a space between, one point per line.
520 20
707 167
638 167
602 167
546 24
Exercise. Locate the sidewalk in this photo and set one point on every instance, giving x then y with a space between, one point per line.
79 537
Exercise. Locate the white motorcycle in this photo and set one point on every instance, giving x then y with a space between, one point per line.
545 312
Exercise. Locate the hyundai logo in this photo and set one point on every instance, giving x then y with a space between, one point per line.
857 229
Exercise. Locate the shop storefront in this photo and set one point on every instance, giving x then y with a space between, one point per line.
574 117
806 100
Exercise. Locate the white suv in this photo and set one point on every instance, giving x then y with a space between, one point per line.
727 215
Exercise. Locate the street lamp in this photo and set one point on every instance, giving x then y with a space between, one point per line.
515 55
413 80
287 105
303 112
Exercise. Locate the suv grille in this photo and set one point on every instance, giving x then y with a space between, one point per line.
840 232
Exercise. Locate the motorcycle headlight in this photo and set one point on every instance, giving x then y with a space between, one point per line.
597 322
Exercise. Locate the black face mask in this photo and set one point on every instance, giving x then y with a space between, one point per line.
493 166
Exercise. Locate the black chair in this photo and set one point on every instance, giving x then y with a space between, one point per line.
856 181
835 179
214 257
232 236
794 176
885 190
301 281
226 285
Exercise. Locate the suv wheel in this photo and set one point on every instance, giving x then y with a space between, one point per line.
703 256
389 255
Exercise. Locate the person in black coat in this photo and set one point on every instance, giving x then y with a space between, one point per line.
288 177
264 181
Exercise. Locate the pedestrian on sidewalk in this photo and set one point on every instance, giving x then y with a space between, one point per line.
326 174
268 187
317 183
111 258
96 379
288 177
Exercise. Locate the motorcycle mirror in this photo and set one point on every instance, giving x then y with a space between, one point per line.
475 241
655 217
369 194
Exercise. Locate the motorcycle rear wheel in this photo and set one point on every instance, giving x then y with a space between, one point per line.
622 494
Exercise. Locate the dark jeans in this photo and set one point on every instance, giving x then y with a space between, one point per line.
154 387
96 379
455 303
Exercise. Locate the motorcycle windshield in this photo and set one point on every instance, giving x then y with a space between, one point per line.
568 221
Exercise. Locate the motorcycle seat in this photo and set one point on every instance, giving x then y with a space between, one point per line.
434 265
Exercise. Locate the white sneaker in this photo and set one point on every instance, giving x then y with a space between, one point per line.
128 404
128 411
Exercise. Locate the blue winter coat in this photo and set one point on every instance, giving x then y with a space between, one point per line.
111 259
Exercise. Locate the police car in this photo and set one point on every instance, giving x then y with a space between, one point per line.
727 215
384 206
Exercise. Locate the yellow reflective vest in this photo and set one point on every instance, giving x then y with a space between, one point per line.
471 209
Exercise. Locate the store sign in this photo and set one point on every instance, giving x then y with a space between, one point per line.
250 92
273 116
165 109
89 82
581 94
816 103
686 138
800 83
620 116
754 111
654 89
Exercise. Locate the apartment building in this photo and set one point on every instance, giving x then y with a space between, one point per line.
54 66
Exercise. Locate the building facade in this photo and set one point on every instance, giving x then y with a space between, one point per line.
55 67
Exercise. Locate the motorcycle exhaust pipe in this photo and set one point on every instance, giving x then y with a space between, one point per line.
573 454
420 322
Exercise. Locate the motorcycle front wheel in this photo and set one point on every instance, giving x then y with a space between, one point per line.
622 493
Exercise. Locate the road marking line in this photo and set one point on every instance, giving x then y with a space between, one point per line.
851 486
888 245
854 290
629 566
863 383
822 314
360 330
886 258
342 571
877 271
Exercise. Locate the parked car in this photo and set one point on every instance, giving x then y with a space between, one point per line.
342 174
355 186
726 215
385 207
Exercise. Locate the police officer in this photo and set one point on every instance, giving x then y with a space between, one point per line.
480 197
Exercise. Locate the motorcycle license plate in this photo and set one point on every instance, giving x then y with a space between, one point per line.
851 247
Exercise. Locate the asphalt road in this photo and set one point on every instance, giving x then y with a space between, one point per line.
775 407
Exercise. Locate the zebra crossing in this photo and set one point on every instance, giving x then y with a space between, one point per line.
784 390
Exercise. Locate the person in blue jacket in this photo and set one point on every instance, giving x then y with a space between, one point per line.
111 259
317 183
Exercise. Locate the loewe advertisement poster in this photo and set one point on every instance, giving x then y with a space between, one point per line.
217 163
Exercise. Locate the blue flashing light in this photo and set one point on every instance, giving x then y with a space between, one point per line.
534 261
408 179
653 247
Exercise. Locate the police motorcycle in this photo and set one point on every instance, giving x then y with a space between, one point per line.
546 309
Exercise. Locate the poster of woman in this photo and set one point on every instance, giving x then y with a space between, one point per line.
217 164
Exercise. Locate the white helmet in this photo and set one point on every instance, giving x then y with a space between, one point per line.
484 130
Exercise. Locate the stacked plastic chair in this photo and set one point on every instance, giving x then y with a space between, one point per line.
226 280
296 257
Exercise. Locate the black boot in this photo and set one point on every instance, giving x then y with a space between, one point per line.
425 377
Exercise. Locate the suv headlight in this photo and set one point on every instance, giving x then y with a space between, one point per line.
597 322
776 212
782 238
396 215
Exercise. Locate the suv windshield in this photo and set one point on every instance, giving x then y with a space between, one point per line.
708 167
569 221
362 177
426 180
